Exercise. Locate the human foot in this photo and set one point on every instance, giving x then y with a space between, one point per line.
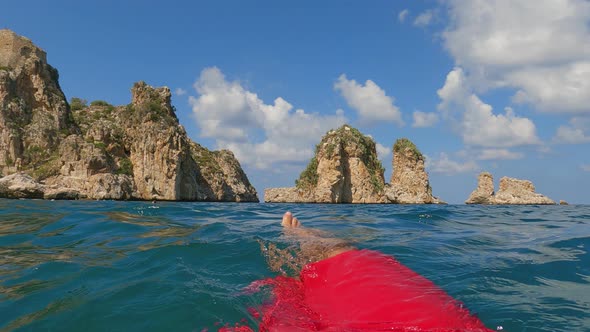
314 243
289 221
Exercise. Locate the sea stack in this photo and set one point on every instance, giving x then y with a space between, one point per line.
101 151
344 169
409 181
484 193
511 192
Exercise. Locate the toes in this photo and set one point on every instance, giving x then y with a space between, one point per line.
295 223
287 219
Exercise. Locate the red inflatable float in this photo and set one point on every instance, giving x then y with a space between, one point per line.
360 290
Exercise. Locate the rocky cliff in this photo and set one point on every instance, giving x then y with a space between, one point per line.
34 114
511 192
345 169
137 151
409 182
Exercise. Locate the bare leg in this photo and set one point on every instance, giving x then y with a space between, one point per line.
315 244
311 245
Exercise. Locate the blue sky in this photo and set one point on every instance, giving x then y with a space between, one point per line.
477 85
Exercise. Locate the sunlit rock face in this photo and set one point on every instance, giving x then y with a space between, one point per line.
409 180
34 113
511 192
346 169
137 151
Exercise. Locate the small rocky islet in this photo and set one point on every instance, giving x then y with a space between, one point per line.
511 192
346 169
53 149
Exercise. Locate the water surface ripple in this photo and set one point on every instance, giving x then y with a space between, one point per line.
127 266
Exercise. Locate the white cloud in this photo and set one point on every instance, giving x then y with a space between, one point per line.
259 134
179 91
370 101
575 132
544 149
540 48
569 135
478 125
424 119
382 151
585 167
447 166
555 88
424 19
402 15
499 154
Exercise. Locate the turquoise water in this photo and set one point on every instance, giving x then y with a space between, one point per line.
129 266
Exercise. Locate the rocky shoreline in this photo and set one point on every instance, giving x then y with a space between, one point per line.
139 151
52 149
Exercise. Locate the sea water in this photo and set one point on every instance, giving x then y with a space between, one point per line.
131 266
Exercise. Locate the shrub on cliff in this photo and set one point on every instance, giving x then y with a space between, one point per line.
125 167
336 141
404 144
309 177
99 103
77 104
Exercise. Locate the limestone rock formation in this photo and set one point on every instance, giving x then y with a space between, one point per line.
409 181
20 185
34 114
138 151
221 176
515 191
562 202
288 195
344 169
484 192
511 192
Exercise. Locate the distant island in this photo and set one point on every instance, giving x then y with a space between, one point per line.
512 192
346 169
53 149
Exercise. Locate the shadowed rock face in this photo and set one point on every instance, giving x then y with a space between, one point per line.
512 192
409 181
345 169
138 151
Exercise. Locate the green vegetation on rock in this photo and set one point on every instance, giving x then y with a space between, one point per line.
99 103
5 68
152 110
403 144
35 154
99 145
205 159
77 104
47 169
333 141
125 166
309 177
